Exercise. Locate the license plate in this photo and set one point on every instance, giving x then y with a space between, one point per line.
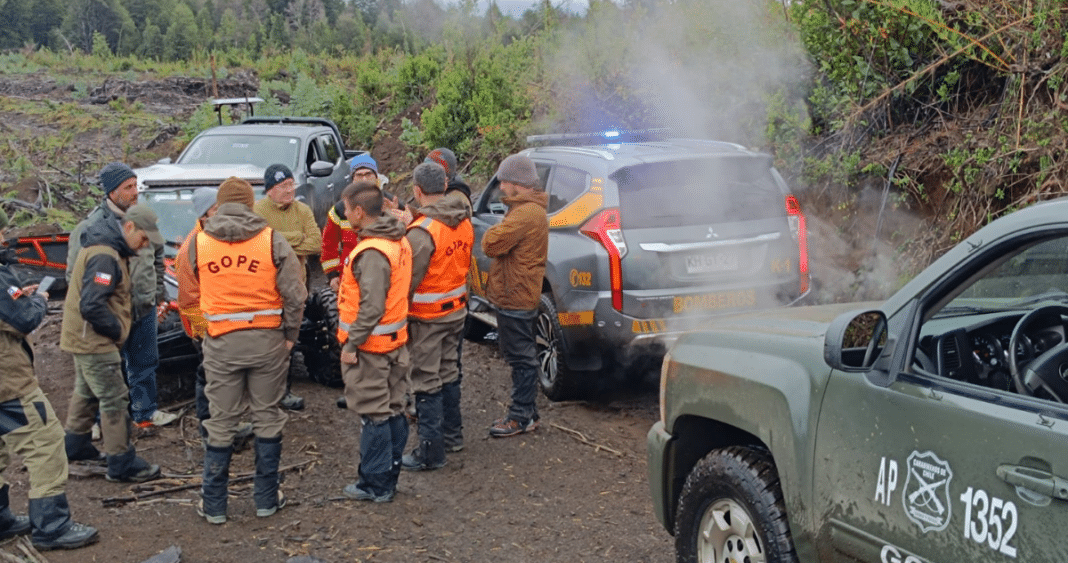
712 262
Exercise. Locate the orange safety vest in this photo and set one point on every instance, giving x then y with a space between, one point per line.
444 287
238 283
392 330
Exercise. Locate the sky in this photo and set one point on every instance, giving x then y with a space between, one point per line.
515 8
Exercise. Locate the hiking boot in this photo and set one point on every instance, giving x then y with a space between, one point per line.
80 447
265 512
356 493
158 418
292 402
419 460
128 468
77 535
211 518
53 527
511 427
453 445
11 524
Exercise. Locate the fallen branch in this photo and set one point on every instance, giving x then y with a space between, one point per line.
582 438
119 501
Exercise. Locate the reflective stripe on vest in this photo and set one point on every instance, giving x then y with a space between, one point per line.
443 289
392 329
238 283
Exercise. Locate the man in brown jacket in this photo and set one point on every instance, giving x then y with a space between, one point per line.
96 322
250 287
519 246
30 428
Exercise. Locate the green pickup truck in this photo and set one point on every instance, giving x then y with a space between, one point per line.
930 427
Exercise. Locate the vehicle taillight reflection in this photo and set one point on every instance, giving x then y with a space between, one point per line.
797 227
605 229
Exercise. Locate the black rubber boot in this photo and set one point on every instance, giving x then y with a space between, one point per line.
53 527
11 525
376 464
452 424
128 468
80 447
265 484
216 482
430 453
398 426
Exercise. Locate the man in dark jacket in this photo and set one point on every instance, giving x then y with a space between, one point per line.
30 428
140 354
519 246
96 324
441 238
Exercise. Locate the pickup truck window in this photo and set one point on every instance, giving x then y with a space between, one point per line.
258 150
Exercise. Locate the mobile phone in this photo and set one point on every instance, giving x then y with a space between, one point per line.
46 284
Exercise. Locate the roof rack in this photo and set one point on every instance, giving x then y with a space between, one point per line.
220 103
608 136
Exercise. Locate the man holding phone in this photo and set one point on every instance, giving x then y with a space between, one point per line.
31 429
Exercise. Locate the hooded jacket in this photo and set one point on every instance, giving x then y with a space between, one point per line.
19 315
519 246
451 210
235 222
96 311
372 272
146 268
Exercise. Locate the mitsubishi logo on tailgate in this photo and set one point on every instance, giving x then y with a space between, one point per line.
926 494
711 233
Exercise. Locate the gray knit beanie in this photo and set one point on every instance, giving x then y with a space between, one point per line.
519 169
113 175
203 199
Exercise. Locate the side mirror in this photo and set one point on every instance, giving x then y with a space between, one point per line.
856 340
321 169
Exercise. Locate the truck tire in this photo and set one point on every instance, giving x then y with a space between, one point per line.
557 382
731 509
322 351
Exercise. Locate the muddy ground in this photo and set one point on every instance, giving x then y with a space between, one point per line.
573 491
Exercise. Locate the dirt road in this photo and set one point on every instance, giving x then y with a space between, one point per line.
574 491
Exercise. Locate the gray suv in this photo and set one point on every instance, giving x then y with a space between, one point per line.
647 238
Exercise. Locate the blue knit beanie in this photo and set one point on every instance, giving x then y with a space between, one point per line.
113 175
363 161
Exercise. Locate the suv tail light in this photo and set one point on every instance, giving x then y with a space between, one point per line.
797 228
605 229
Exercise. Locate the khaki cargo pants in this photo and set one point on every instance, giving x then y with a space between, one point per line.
375 386
434 349
30 429
245 370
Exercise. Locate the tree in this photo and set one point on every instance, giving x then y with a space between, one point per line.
151 41
45 16
181 38
86 17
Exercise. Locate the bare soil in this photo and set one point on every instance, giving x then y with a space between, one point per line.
573 491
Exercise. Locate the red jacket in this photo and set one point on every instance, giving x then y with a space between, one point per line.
339 238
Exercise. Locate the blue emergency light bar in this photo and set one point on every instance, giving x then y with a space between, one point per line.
609 136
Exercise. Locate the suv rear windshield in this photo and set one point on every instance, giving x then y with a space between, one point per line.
695 192
258 150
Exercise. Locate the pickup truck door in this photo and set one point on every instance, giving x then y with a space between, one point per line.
929 468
